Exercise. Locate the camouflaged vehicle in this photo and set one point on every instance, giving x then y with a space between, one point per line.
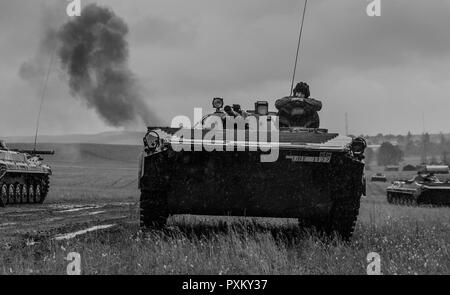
317 177
23 177
379 177
424 189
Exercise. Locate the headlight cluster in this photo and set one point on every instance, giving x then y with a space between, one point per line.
152 140
262 108
218 103
358 146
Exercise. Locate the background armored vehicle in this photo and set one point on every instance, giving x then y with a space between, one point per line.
424 189
317 177
379 177
23 176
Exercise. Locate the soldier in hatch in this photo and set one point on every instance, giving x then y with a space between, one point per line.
299 110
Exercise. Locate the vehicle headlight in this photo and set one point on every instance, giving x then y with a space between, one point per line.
218 103
358 146
151 140
262 108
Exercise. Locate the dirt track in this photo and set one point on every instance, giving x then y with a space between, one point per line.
57 220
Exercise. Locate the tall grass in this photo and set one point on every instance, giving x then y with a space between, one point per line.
195 245
409 240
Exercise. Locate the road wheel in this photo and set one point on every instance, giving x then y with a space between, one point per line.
24 194
12 194
44 189
412 202
3 195
154 209
31 194
407 201
38 193
395 199
18 193
389 198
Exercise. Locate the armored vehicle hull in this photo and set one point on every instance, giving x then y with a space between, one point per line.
424 189
23 178
316 178
379 177
419 193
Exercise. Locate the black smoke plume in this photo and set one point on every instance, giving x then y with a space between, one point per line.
94 52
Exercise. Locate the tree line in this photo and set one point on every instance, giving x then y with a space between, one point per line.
393 149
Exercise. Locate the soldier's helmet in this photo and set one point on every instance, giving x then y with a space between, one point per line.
302 87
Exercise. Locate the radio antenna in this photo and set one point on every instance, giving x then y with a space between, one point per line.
298 47
44 90
346 124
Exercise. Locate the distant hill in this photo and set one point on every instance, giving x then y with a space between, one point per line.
119 137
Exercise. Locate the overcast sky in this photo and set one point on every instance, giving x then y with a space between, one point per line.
387 72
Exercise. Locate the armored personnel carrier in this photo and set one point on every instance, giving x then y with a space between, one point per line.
424 189
315 176
379 177
23 177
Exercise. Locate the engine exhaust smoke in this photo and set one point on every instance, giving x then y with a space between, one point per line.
94 52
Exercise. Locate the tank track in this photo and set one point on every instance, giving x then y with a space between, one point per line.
341 220
154 209
401 199
45 189
33 191
154 213
343 217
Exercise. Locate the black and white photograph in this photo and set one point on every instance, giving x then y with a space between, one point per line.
224 144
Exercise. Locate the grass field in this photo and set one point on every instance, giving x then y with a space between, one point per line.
410 240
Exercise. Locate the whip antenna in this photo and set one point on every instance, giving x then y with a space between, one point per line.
298 47
44 89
